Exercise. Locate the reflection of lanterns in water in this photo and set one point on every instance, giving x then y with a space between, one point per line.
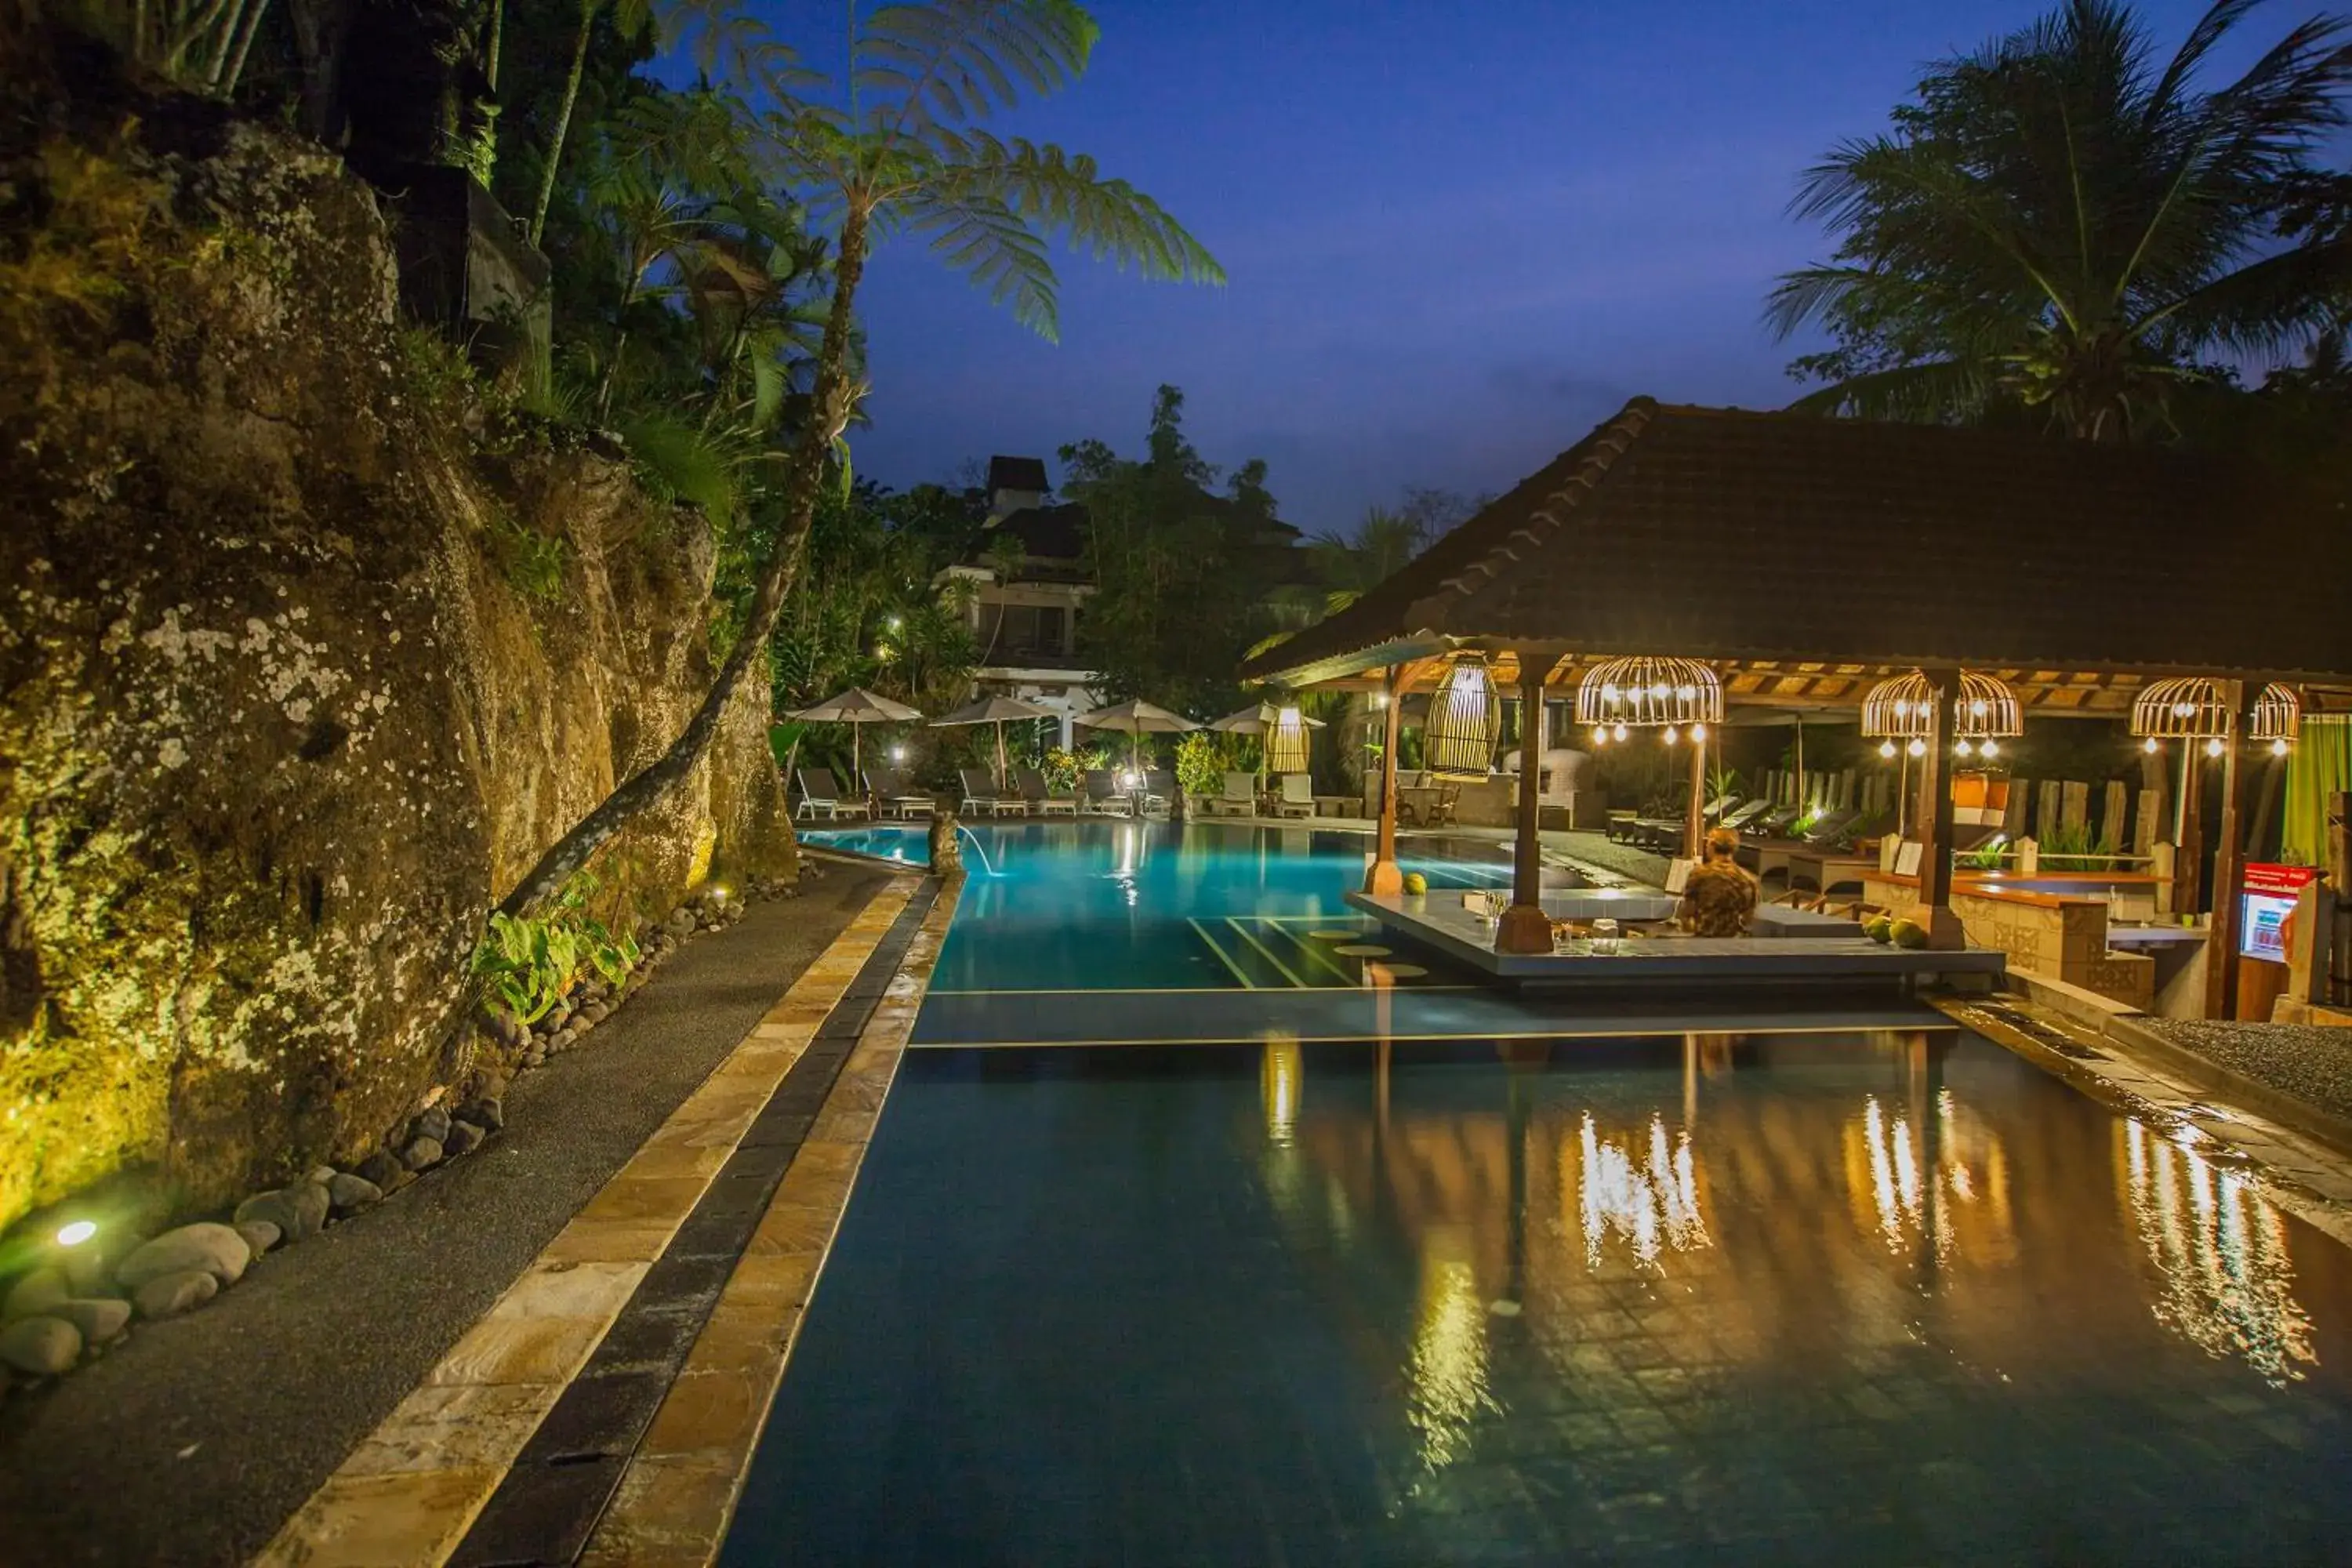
1282 1073
2222 1251
1652 1205
1449 1348
1885 1163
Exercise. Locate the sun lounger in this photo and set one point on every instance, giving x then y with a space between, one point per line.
981 794
1041 796
1771 823
1740 817
1158 786
1239 798
820 795
1104 795
1298 797
893 796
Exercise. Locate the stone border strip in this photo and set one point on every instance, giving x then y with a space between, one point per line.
2305 1175
560 1484
679 1496
408 1495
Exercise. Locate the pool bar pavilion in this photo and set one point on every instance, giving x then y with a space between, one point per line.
1681 569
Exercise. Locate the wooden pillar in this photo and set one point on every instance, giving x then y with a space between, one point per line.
2229 870
1385 876
1935 820
1525 928
2189 835
1695 818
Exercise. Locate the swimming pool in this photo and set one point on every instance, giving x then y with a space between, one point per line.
1155 906
1856 1298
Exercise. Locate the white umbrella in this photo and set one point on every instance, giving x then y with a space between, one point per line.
999 711
854 708
1138 719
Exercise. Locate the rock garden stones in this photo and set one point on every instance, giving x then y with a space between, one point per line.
298 1211
464 1139
206 1247
259 1235
169 1295
383 1168
349 1194
432 1124
97 1319
36 1293
488 1114
422 1153
42 1346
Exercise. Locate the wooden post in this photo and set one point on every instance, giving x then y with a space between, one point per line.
1935 914
1525 928
2189 832
1384 876
1695 820
2229 870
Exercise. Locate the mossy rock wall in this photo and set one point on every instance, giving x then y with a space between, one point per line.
275 727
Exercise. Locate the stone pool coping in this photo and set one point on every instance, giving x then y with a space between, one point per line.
679 1495
409 1493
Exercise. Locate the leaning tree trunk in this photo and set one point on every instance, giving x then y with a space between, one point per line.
828 416
564 120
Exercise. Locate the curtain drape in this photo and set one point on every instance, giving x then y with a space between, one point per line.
2319 766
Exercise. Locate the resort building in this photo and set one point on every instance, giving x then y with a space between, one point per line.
1031 584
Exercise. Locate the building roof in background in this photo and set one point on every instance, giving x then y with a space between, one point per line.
1045 532
1722 534
1017 474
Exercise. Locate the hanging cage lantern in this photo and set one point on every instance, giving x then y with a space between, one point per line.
1465 721
2186 708
1986 709
1286 741
1900 708
1678 695
2278 717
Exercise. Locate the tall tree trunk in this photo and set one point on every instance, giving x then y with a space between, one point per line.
562 120
828 416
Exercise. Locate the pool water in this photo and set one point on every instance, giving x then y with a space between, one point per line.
1132 906
1894 1297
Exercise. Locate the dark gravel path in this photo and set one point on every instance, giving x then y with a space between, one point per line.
193 1442
2306 1063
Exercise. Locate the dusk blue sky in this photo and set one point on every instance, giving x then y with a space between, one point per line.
1457 235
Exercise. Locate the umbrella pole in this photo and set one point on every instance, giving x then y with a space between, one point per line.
857 764
1000 756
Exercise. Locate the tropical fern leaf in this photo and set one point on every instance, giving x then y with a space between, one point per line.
918 66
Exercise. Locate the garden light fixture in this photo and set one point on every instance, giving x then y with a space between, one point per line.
76 1233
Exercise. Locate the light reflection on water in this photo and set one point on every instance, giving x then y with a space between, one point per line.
2221 1250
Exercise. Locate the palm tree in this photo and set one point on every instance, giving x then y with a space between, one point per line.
633 18
901 155
2064 220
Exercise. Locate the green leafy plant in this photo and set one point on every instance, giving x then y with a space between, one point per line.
533 562
1201 765
531 964
2071 847
1987 857
1061 769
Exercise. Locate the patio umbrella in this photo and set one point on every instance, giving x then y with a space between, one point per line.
1258 721
999 711
1138 719
857 707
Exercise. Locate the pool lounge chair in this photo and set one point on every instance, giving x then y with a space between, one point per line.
1239 798
981 794
892 796
1158 786
1103 794
1773 821
1041 796
820 794
1739 817
1298 797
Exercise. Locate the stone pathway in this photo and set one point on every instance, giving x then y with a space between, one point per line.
410 1492
192 1443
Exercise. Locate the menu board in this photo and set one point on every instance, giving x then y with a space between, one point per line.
2270 896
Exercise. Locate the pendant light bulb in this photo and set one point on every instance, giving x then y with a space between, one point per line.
2278 747
2151 747
2213 747
1990 749
1918 748
1887 749
1619 732
1965 749
1672 735
1601 734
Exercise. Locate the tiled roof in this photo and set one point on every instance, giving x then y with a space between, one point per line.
1017 474
1719 534
1045 532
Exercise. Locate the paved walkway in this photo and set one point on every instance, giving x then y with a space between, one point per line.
191 1444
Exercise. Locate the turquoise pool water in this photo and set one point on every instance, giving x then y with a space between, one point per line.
1847 1297
1143 906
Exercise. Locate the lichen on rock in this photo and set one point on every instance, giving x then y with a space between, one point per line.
276 728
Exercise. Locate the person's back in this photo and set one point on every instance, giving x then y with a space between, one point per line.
1720 897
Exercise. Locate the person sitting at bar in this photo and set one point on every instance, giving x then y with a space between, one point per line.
1720 895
